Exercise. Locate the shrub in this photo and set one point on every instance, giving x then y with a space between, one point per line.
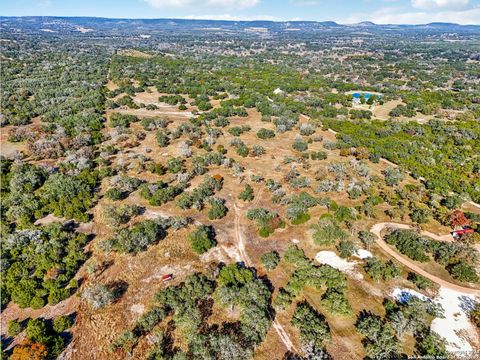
393 176
234 275
382 271
175 165
266 220
247 193
98 295
37 302
366 237
475 314
221 121
37 331
431 345
360 114
327 232
62 323
270 260
162 138
265 134
122 120
117 215
258 150
299 144
172 99
295 255
346 248
307 129
115 194
420 281
318 155
149 319
14 328
421 215
344 213
218 209
283 299
138 238
243 151
56 295
160 193
301 218
463 272
239 130
202 239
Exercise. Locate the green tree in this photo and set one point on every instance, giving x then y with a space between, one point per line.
380 340
346 248
14 328
98 295
62 323
270 260
313 326
431 344
336 303
202 239
463 272
367 238
218 209
247 193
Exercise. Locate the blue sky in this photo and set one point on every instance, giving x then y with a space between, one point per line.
342 11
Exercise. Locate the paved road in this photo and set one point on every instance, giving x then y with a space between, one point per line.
377 229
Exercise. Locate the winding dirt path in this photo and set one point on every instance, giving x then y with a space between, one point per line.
378 228
240 239
474 204
248 262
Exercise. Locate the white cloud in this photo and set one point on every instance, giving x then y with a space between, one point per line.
214 4
306 2
397 15
45 3
440 4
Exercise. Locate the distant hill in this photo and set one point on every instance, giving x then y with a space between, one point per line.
365 23
89 26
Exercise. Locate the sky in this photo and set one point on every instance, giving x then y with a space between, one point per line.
341 11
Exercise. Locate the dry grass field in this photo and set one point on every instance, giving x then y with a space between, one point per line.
141 274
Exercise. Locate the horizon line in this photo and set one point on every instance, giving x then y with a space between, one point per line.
234 21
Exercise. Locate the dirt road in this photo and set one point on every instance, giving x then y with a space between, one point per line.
378 228
474 204
248 262
240 239
154 113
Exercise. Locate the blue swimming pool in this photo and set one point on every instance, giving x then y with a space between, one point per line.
366 94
